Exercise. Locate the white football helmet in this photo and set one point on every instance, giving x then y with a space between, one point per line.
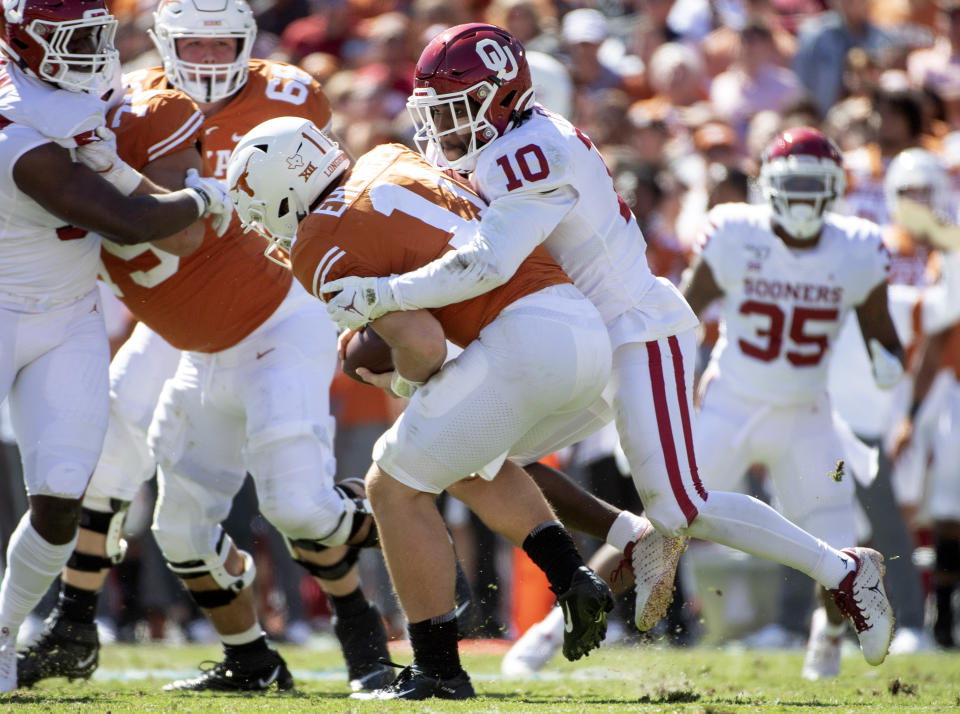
802 175
176 19
67 43
920 173
276 172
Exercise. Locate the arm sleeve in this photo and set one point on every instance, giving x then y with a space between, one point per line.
511 227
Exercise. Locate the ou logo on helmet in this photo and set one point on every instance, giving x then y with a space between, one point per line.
497 58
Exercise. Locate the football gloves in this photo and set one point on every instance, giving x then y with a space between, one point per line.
359 301
100 155
213 200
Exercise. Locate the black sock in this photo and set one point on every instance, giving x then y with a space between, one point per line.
78 605
550 546
434 644
350 605
248 650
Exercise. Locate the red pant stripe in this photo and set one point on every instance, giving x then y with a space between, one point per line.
666 432
685 414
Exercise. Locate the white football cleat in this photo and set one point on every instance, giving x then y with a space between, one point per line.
822 660
8 661
862 597
653 559
535 648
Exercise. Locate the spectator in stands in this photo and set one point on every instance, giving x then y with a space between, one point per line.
529 21
755 81
896 123
938 67
823 44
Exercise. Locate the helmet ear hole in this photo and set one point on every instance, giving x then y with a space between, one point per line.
508 100
284 207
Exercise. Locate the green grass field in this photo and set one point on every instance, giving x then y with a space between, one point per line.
615 679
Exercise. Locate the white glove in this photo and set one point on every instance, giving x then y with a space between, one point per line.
887 369
100 155
359 300
212 200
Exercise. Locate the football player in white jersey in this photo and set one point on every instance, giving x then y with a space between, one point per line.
925 443
285 443
546 183
788 272
57 63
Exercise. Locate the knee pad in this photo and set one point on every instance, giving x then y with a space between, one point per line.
333 571
346 508
110 524
213 565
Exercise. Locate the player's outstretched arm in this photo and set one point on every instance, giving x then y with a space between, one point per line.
166 174
82 198
489 254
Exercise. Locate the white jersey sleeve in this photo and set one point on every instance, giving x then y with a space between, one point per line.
720 242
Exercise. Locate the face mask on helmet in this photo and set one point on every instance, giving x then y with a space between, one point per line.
801 176
205 82
472 85
276 172
69 44
916 174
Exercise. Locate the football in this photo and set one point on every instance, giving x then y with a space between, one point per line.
367 349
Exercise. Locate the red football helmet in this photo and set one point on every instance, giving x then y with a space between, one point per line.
66 42
470 77
802 175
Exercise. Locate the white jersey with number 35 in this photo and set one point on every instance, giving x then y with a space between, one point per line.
783 307
546 174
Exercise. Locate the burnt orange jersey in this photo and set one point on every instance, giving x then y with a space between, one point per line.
273 89
213 298
395 213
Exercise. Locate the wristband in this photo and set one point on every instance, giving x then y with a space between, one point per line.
403 388
124 177
203 201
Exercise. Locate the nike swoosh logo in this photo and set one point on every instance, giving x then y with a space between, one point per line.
567 618
86 661
237 137
209 129
265 353
264 683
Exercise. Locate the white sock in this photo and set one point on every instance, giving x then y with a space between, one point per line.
626 528
32 564
242 638
554 623
742 522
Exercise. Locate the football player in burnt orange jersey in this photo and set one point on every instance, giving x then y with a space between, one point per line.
266 355
525 384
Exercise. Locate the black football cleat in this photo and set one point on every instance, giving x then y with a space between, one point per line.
232 675
65 649
585 605
414 684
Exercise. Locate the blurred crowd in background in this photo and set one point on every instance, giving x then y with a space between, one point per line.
680 96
